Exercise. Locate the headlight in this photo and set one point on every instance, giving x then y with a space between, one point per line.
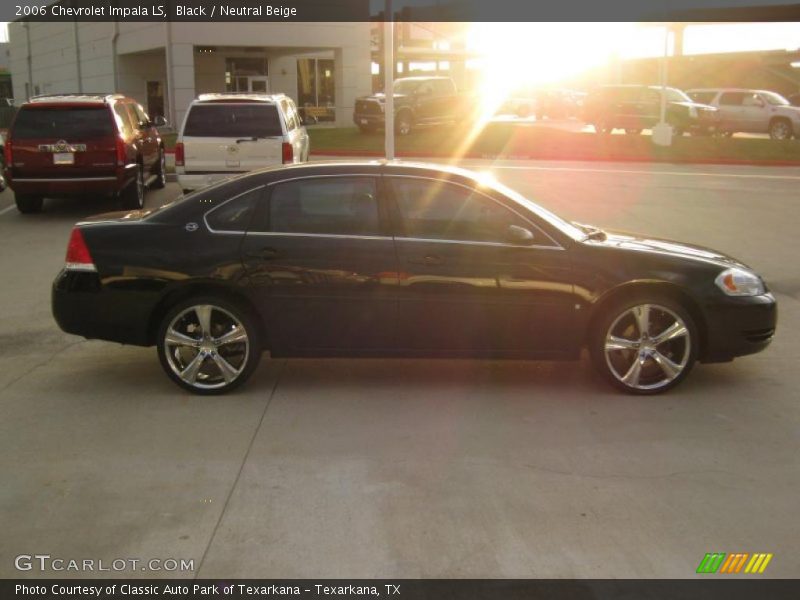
738 282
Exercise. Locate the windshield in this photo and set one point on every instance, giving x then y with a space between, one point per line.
553 219
405 86
774 99
674 95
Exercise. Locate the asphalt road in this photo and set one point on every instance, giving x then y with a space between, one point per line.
411 468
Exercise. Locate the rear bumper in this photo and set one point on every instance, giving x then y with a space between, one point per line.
368 119
81 306
739 326
67 186
195 181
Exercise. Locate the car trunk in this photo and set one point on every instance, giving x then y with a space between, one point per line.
231 137
63 142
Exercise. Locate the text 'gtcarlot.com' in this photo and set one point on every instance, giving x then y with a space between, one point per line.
45 562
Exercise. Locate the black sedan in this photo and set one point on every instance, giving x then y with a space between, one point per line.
398 259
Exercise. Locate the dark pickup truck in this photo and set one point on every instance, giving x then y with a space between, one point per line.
417 101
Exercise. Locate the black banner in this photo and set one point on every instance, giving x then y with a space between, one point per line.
712 588
401 10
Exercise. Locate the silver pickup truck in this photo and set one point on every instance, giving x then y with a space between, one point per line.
751 111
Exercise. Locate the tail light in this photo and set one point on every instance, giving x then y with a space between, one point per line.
287 153
8 153
122 154
179 159
78 256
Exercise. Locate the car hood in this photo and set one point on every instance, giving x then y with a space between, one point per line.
697 105
789 110
381 97
638 243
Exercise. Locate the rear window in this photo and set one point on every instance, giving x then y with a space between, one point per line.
67 123
233 120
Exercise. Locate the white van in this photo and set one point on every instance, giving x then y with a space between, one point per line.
226 134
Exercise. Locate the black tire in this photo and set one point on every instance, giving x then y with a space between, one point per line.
780 129
160 181
133 196
28 205
616 345
242 356
403 123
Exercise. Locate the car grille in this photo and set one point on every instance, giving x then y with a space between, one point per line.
758 335
368 107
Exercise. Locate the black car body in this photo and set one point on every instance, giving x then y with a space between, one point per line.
637 107
417 101
395 259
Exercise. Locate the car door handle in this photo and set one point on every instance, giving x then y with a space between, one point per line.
264 253
429 260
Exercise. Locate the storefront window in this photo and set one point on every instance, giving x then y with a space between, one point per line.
316 90
241 72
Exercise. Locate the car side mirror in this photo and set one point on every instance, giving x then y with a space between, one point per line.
159 121
519 235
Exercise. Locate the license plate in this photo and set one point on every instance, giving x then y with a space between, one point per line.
63 158
364 121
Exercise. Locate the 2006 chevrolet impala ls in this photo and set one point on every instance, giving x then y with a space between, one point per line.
398 259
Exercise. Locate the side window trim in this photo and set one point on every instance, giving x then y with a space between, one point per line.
262 212
398 229
258 202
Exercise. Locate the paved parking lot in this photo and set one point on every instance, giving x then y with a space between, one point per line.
412 468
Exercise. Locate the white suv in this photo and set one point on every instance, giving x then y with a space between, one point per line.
751 111
226 134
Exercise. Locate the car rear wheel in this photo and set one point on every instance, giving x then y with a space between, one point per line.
29 204
161 170
780 129
133 195
208 345
644 345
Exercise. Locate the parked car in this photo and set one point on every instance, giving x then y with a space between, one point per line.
417 101
550 103
65 145
392 259
637 107
227 134
752 111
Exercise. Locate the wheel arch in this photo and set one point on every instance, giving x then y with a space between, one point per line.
641 287
204 288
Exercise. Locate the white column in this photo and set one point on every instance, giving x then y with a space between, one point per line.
180 75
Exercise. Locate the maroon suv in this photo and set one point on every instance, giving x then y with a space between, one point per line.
83 144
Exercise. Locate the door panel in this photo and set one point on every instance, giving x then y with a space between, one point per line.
476 299
324 274
463 288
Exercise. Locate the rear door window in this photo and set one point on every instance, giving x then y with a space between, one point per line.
233 121
235 214
327 206
67 123
732 98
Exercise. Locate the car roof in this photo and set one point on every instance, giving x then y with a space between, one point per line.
715 90
238 97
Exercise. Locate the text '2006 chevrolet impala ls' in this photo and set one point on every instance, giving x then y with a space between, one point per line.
398 259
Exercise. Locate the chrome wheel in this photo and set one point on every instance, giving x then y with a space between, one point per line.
647 347
206 347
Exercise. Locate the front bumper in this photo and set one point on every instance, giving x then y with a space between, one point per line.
739 326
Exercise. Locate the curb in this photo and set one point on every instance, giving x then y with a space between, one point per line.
632 159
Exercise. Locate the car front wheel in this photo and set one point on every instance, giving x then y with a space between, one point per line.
161 170
208 345
780 130
133 195
645 345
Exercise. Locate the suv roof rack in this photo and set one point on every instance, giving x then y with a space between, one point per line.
257 96
104 96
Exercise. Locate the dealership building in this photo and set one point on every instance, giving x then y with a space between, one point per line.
322 66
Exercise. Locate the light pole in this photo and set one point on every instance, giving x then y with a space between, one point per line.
388 81
662 132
